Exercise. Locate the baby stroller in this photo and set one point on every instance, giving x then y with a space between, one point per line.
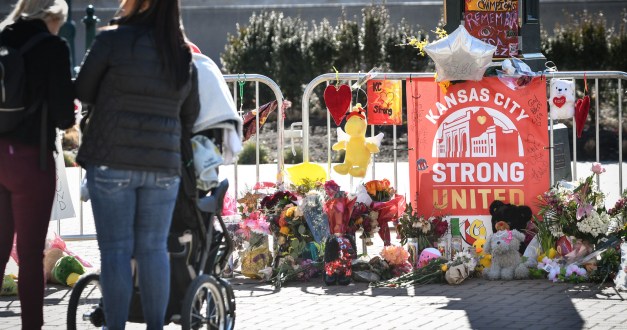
199 247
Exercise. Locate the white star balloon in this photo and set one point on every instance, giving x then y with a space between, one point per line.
460 56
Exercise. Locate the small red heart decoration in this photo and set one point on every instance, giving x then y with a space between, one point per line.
559 101
582 107
338 100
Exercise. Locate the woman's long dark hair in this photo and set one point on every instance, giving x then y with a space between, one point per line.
164 18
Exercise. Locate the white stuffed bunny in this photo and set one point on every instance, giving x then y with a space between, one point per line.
562 99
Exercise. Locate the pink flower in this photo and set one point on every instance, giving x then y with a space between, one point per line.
584 210
574 269
597 168
256 222
395 255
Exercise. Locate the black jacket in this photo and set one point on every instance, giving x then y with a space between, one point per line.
48 75
138 115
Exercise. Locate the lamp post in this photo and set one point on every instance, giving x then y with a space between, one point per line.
90 20
68 31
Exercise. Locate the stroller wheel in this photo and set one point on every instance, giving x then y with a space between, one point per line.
229 299
203 305
85 309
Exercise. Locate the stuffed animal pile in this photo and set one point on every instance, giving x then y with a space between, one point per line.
510 217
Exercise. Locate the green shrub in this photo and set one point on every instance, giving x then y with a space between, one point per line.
293 52
290 158
248 154
373 31
582 43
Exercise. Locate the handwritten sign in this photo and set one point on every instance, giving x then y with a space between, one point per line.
496 28
476 143
62 207
491 5
385 102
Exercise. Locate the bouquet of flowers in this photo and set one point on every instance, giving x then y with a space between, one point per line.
254 231
577 210
312 208
433 272
294 234
619 215
338 207
275 206
558 272
386 206
396 257
295 269
425 230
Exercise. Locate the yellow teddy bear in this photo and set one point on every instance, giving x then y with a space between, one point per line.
358 147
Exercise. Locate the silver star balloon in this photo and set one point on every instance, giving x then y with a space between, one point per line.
460 56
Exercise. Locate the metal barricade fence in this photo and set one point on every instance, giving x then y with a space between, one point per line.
235 80
575 75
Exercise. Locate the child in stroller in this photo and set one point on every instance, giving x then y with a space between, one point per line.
199 248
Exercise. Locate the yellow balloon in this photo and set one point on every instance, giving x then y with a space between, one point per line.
306 171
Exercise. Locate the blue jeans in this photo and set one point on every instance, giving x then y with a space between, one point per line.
133 211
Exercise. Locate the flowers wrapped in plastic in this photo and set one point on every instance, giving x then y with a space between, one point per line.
313 211
338 211
396 257
255 256
576 209
387 206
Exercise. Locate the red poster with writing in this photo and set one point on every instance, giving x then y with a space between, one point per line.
494 22
385 99
499 29
475 143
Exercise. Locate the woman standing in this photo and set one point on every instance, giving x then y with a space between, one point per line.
139 77
27 172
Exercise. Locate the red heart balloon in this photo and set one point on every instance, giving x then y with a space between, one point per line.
582 108
559 101
337 100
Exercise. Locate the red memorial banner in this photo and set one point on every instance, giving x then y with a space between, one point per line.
385 99
475 143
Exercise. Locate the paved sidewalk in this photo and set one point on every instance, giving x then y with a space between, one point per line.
475 304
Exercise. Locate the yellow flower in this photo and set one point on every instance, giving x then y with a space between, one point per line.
441 33
359 221
444 267
284 230
444 85
290 212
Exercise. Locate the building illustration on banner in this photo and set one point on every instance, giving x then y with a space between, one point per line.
476 132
